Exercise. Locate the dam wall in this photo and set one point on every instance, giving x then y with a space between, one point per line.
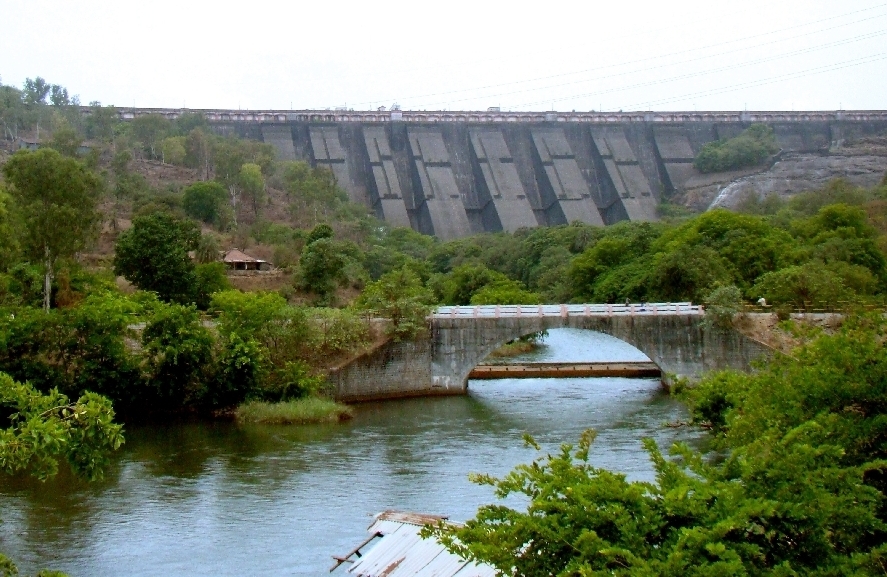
453 174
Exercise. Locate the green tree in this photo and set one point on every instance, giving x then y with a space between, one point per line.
210 278
198 151
173 150
44 429
127 184
253 185
241 368
204 201
811 285
12 111
66 140
458 287
799 489
324 264
188 121
688 274
35 91
8 235
230 154
101 122
322 230
722 305
207 249
229 158
58 96
153 255
312 192
400 297
57 199
150 130
179 355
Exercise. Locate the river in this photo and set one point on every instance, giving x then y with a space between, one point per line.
213 498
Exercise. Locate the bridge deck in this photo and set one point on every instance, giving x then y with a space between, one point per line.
565 370
565 311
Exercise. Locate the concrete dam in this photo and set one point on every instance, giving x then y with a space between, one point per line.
453 174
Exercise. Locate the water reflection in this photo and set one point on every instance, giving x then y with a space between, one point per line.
216 498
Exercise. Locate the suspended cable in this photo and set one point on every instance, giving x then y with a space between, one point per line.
707 72
668 55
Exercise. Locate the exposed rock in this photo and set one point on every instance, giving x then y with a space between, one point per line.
799 173
861 161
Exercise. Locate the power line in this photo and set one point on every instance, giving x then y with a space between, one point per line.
661 56
706 72
772 80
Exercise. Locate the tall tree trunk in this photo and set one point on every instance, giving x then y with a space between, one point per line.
233 190
47 279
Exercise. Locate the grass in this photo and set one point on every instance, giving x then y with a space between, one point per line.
297 412
513 349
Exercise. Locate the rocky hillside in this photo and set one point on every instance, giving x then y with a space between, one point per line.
863 162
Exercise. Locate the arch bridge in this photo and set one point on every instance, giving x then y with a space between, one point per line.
460 337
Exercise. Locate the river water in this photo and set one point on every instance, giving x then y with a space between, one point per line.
222 499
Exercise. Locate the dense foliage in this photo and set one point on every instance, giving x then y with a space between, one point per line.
749 148
41 429
151 357
799 491
399 297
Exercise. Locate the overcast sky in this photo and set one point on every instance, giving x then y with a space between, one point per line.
456 55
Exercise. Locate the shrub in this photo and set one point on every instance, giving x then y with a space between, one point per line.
506 292
751 147
241 366
722 305
294 380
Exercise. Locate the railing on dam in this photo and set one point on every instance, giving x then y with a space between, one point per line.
370 116
565 311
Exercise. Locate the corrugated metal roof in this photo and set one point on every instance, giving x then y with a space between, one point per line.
401 552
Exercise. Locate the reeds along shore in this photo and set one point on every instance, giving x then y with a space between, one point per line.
296 412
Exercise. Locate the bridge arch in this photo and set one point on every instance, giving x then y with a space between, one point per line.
490 348
670 338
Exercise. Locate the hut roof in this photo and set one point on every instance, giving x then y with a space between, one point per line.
236 255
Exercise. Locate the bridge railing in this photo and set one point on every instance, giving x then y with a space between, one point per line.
572 310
